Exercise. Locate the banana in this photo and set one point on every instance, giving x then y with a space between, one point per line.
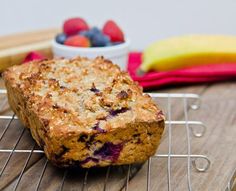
191 50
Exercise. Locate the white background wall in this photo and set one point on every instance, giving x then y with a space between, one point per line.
142 20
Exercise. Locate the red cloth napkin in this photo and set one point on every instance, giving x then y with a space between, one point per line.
193 75
33 56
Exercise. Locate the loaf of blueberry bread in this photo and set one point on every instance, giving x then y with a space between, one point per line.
84 112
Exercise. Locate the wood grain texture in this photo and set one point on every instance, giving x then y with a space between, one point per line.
13 48
217 112
19 39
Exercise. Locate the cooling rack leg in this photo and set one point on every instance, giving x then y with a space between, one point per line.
10 155
85 180
189 144
127 179
23 169
149 174
106 178
41 175
169 144
63 179
7 126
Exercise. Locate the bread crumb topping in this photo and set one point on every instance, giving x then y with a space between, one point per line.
82 95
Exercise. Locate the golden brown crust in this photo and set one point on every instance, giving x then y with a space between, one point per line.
60 100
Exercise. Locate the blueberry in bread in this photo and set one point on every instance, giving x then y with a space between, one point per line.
84 112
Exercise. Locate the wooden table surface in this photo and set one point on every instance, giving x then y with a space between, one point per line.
217 112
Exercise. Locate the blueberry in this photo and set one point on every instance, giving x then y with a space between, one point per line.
91 33
100 40
96 127
109 151
95 30
116 112
60 38
116 43
97 38
87 34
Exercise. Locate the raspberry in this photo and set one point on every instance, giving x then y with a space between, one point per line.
112 30
74 26
77 41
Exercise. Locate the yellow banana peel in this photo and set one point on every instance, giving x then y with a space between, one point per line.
192 50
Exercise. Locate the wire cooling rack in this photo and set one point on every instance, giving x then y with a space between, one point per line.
24 167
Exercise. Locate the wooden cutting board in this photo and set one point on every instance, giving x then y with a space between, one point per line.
13 48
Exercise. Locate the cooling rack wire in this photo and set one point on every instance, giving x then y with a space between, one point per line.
190 159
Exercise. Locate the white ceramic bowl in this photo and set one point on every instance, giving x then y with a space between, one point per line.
118 54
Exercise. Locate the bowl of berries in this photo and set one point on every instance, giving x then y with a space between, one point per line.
78 39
